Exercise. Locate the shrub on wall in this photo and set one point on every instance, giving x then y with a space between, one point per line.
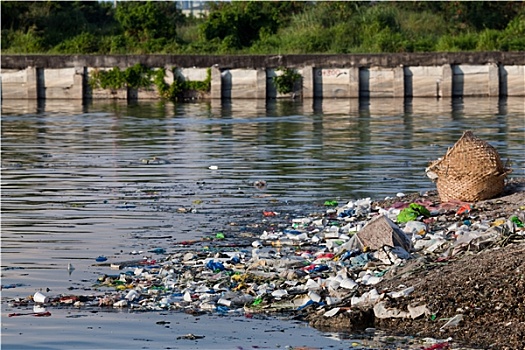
140 76
285 82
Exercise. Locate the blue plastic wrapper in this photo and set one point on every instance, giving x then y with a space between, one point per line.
293 232
320 268
347 212
350 254
215 265
222 309
308 303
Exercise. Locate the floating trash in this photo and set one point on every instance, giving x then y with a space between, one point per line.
260 184
190 337
70 268
154 161
40 298
126 206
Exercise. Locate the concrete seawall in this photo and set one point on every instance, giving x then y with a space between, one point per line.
435 75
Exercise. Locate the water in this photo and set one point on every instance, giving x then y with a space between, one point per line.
109 178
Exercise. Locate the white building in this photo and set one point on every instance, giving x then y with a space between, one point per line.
196 8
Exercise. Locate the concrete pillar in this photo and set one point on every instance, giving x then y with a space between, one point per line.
31 83
399 82
382 82
308 82
216 83
19 84
513 80
261 83
445 84
493 80
62 83
77 91
422 81
353 82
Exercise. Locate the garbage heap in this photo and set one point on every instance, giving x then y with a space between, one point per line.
315 266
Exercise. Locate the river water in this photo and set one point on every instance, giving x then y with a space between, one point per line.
109 178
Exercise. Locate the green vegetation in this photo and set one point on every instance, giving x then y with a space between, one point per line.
179 87
261 27
285 82
137 76
140 76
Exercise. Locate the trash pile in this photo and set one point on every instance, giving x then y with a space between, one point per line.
323 264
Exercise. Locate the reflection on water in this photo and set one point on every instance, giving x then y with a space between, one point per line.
304 150
76 178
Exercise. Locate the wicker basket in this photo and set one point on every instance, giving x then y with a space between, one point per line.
470 171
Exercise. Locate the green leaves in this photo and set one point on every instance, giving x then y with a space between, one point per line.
285 82
261 27
140 76
148 20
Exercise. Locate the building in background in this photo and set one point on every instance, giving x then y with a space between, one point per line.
195 8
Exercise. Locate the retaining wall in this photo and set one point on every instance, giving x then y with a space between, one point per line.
251 77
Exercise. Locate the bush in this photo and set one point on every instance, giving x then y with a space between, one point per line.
384 41
509 43
84 43
20 42
285 82
513 37
382 16
489 40
138 76
345 37
118 44
461 42
113 79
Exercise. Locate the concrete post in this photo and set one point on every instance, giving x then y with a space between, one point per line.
261 83
216 83
445 85
31 83
353 82
493 80
512 79
78 84
399 82
308 82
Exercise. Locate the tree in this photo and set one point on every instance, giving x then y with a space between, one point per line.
52 22
143 21
241 22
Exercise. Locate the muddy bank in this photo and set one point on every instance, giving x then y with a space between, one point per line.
481 286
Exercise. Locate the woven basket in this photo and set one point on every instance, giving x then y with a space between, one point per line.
470 171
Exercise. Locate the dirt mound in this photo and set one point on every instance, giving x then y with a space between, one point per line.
484 289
